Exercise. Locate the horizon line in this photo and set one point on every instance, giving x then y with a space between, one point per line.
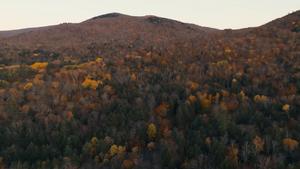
66 22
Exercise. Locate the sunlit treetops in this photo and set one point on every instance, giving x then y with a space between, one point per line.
28 86
234 81
94 140
99 59
286 107
191 99
90 83
39 65
97 62
115 149
290 144
260 99
36 55
227 50
133 77
205 100
220 63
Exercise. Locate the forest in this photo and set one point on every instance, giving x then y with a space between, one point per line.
231 103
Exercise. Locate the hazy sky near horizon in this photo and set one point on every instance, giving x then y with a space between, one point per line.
16 14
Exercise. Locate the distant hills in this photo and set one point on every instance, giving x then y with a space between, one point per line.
118 34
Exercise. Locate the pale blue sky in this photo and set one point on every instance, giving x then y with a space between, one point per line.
15 14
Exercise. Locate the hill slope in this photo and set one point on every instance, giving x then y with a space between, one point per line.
117 34
128 92
120 32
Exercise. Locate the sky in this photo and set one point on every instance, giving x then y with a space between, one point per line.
221 14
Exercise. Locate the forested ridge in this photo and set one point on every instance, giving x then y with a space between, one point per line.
199 98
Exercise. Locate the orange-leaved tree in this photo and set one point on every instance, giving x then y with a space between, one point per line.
290 144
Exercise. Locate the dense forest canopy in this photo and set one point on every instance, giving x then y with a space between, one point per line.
146 92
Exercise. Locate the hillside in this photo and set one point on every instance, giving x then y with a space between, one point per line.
119 91
107 35
117 35
10 33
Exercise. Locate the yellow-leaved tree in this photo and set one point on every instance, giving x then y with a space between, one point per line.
260 99
151 131
114 149
90 83
286 108
39 65
28 86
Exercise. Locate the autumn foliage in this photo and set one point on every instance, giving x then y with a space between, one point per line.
259 144
39 65
151 131
290 143
90 83
225 100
